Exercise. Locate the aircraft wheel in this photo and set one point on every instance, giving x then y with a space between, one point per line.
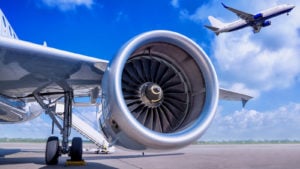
76 149
52 151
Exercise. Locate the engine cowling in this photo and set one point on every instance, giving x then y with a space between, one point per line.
266 23
258 16
159 92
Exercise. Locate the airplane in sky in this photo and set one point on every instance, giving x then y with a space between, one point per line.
159 92
256 21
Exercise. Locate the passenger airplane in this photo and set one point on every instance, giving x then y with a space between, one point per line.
159 92
255 21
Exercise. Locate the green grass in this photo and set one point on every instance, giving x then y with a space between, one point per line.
23 140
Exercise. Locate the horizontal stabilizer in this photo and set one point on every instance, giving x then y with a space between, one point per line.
211 28
214 29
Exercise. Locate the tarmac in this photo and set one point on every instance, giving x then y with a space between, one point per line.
240 156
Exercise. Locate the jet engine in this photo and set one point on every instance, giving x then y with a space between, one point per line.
258 16
266 23
160 92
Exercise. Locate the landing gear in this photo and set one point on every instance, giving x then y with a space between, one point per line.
52 151
76 149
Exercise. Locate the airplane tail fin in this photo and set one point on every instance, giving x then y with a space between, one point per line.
215 22
5 28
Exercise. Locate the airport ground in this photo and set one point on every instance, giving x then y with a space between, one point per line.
226 156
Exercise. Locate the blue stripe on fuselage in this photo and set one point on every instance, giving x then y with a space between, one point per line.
276 14
261 20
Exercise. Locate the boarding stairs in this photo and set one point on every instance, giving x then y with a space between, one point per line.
82 126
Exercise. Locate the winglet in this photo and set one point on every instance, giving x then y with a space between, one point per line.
234 96
244 102
224 5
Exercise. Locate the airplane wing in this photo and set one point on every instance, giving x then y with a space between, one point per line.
234 96
246 16
27 68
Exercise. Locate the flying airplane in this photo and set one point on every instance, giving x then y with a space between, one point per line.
255 21
159 92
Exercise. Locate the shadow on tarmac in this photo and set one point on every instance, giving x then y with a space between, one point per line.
40 161
6 159
109 157
5 152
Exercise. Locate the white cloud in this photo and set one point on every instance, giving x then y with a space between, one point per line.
267 60
175 3
258 64
39 127
66 5
281 123
199 15
242 88
121 16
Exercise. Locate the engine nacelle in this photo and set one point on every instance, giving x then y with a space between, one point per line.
258 16
159 92
266 23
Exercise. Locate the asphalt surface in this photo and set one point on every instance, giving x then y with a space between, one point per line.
252 156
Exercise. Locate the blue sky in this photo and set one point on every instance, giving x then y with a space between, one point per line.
264 65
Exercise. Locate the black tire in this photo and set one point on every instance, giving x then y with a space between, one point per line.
76 149
52 151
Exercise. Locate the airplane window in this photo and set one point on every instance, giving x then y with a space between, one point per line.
10 31
4 22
